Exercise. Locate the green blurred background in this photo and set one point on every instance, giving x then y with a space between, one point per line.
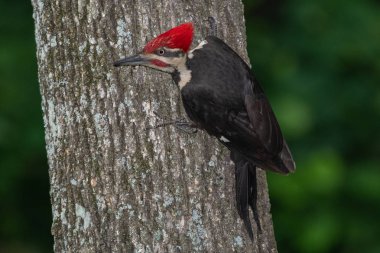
319 63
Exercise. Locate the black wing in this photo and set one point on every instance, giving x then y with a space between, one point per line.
262 118
227 101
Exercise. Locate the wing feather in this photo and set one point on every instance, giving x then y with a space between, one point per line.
263 119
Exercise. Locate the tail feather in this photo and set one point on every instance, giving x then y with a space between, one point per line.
253 196
246 191
242 195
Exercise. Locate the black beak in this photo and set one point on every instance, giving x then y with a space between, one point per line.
134 60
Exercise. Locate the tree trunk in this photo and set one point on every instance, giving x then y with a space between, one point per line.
116 187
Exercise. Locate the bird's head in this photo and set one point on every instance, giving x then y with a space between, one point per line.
165 52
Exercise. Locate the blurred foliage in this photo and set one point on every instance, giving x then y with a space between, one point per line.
25 213
319 64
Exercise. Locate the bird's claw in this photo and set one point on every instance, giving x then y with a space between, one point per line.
181 124
213 26
185 126
210 28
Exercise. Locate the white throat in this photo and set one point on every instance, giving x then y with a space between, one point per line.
184 74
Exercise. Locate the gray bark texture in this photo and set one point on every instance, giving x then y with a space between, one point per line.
116 187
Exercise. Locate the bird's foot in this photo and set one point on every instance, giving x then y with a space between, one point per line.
213 26
210 28
185 126
181 124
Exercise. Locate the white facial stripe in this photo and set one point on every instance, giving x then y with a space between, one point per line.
191 55
165 69
172 49
175 61
178 63
156 57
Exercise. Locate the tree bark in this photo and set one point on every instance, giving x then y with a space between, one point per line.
116 187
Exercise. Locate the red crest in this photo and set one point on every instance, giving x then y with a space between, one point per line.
178 37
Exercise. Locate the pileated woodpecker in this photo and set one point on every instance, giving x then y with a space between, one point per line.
221 95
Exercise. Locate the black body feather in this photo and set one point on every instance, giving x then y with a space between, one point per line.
224 98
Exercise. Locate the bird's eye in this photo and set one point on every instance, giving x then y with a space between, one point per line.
161 51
